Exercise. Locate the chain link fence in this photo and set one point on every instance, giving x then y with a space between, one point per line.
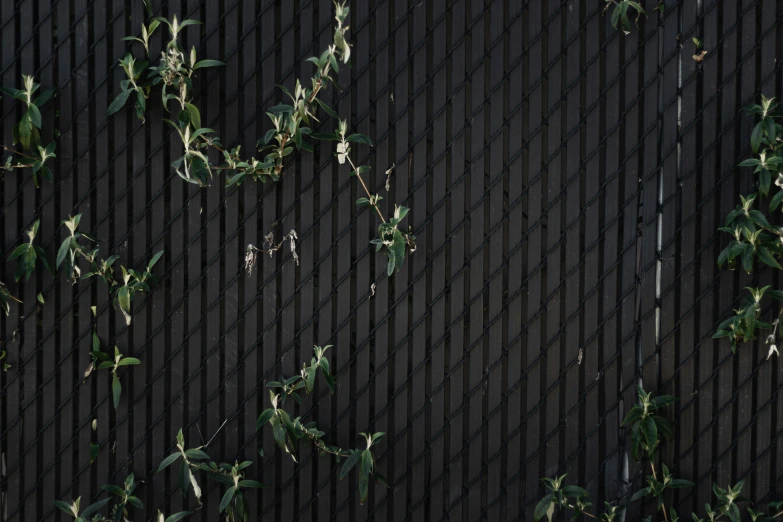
565 184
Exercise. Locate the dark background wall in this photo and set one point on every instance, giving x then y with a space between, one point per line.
566 183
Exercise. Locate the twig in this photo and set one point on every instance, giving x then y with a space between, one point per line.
663 506
366 190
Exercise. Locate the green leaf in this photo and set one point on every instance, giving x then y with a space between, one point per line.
650 431
178 516
94 508
34 114
279 432
128 361
116 389
776 200
755 137
207 63
251 484
575 491
764 181
769 128
747 258
114 490
639 494
227 497
66 506
269 135
194 115
350 462
168 461
752 162
281 108
124 300
766 257
265 416
196 454
119 102
94 449
324 136
543 508
331 112
154 260
184 479
360 138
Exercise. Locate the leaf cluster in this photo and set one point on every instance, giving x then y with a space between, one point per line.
103 361
28 255
754 237
125 499
288 432
656 487
620 14
647 425
121 290
559 496
233 502
27 131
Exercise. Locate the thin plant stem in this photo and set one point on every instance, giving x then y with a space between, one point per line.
369 196
663 505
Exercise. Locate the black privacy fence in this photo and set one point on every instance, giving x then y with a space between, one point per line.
564 184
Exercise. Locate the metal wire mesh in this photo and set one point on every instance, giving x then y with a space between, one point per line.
565 184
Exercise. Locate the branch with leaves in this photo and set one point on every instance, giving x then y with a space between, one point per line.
125 499
123 290
27 132
103 361
290 123
620 13
77 245
233 502
754 239
394 241
288 431
646 428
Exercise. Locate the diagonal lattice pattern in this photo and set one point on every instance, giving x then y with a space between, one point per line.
565 184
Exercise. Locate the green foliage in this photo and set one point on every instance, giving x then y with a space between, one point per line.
190 461
73 509
133 87
646 425
28 255
290 130
754 238
27 132
288 431
121 290
6 298
124 499
656 488
233 502
620 13
559 496
646 430
103 361
391 239
133 282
